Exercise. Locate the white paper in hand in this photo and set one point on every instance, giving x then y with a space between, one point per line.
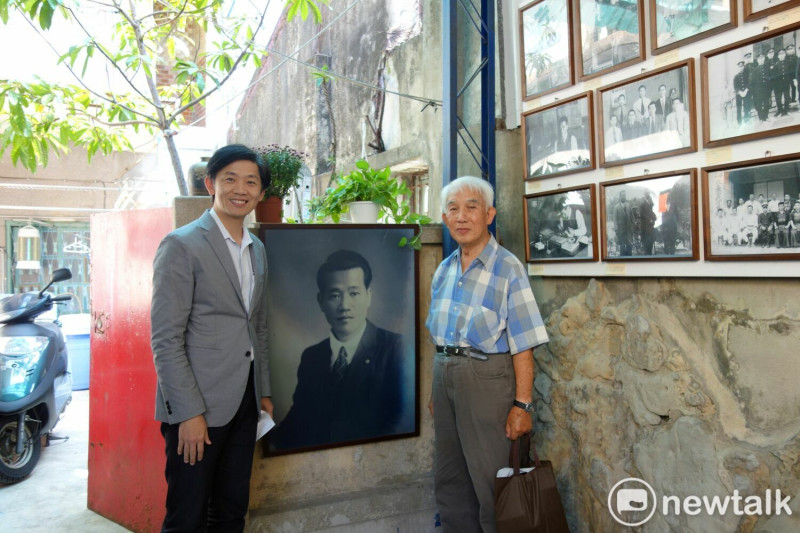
265 423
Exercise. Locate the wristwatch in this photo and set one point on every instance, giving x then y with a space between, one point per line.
527 407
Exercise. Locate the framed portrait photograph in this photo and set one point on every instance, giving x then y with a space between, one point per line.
649 116
752 209
557 138
546 51
755 9
675 23
610 35
750 88
652 217
560 225
343 341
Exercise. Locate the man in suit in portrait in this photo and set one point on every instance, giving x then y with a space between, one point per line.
631 128
663 104
652 123
350 384
623 225
209 342
641 104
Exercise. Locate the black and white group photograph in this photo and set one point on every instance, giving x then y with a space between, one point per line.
752 88
753 209
560 225
546 47
343 318
650 217
648 116
558 138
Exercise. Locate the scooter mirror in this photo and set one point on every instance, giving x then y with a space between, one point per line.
60 274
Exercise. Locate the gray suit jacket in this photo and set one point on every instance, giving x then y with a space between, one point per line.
201 333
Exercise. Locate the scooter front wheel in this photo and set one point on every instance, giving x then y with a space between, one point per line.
16 466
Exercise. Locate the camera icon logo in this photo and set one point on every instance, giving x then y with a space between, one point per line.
632 502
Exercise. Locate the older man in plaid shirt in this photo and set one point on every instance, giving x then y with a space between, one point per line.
485 323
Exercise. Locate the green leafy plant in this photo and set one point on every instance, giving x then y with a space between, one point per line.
366 184
284 165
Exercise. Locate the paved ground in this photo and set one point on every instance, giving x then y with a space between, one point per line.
53 498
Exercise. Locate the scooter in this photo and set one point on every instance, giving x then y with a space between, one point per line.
35 382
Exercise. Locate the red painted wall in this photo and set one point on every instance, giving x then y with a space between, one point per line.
126 450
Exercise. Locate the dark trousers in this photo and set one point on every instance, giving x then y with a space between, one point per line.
471 401
213 494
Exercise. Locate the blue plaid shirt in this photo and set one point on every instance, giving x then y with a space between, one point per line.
490 307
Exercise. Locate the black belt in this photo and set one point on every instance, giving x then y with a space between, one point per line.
451 350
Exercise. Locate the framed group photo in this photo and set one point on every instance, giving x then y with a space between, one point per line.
609 35
342 317
652 217
648 116
676 23
755 9
750 88
557 138
559 225
752 209
546 47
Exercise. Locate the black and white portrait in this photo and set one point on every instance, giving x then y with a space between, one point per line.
560 225
342 334
650 218
752 88
752 209
558 138
648 116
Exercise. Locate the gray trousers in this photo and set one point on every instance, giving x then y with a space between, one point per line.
471 401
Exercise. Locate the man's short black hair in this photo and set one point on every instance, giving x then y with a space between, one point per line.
238 152
343 260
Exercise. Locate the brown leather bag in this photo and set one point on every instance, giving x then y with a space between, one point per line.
528 502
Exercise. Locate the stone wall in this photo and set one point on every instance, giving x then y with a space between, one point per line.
689 385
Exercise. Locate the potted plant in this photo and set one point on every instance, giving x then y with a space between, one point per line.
366 185
284 165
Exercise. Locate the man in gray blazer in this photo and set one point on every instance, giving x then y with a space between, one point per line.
209 341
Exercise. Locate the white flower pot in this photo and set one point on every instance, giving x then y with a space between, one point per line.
364 212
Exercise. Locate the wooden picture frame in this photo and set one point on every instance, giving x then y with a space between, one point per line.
658 224
756 9
675 24
608 36
560 225
737 110
546 47
734 231
626 135
381 397
557 139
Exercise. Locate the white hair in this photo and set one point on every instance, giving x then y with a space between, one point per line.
468 182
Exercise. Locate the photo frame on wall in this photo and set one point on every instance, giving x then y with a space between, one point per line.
377 396
557 139
745 213
750 88
609 35
560 225
755 9
648 116
651 217
546 51
674 24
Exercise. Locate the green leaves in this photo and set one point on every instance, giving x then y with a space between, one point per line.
368 184
303 7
